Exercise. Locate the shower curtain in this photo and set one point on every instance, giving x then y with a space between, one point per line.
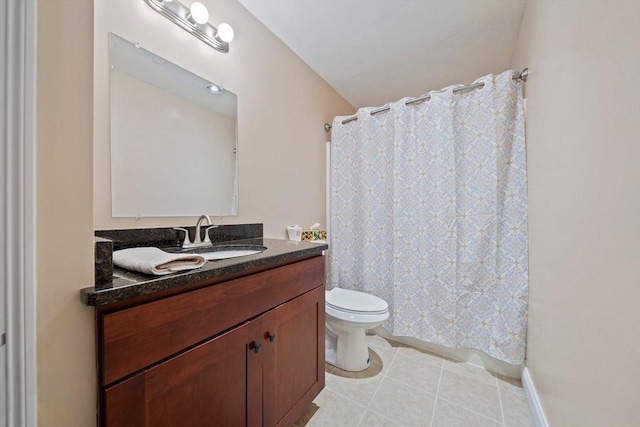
428 210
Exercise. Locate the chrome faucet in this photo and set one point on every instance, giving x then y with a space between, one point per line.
197 241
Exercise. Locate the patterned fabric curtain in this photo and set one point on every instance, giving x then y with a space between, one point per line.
428 210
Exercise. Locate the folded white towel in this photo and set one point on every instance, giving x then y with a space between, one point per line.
156 261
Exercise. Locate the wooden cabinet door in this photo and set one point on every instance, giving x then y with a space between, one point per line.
217 383
293 359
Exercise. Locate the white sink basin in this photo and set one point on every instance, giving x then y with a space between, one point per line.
234 253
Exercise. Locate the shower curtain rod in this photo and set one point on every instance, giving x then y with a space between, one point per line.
522 76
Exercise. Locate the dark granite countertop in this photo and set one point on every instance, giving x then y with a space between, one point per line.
128 285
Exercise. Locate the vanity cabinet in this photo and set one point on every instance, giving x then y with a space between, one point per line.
243 352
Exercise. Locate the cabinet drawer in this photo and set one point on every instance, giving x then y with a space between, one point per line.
137 337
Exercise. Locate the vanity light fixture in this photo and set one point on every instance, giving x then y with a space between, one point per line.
194 19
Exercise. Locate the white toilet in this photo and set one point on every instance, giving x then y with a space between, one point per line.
349 315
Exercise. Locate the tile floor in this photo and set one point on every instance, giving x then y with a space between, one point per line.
405 386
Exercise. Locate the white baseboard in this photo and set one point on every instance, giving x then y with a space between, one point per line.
534 402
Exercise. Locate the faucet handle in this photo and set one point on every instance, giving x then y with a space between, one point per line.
186 241
206 233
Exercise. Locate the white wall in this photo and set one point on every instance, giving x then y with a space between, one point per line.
583 147
282 106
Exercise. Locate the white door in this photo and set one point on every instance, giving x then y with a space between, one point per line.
17 213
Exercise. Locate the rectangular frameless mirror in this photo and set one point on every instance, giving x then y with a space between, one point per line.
173 139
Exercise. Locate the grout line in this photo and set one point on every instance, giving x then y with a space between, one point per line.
348 400
367 408
361 418
472 411
382 379
517 393
435 403
464 374
413 386
380 415
501 408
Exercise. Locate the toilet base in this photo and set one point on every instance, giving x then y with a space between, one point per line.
347 350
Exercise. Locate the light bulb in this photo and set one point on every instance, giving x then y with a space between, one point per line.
198 13
215 89
225 32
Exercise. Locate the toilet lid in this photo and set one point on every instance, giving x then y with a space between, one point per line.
354 301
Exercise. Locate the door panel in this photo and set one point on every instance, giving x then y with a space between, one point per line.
125 403
294 360
207 385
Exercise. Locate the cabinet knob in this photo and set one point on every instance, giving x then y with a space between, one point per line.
272 337
257 348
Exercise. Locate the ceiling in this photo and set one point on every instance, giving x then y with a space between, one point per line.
378 51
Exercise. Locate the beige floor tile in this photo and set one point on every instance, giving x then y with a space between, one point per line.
361 386
403 404
510 384
471 371
424 355
373 419
382 343
516 410
470 393
360 390
450 415
400 386
332 410
418 372
380 362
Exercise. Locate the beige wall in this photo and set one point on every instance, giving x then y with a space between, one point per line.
65 346
583 145
282 106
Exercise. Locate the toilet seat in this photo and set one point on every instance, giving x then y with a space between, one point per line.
354 302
